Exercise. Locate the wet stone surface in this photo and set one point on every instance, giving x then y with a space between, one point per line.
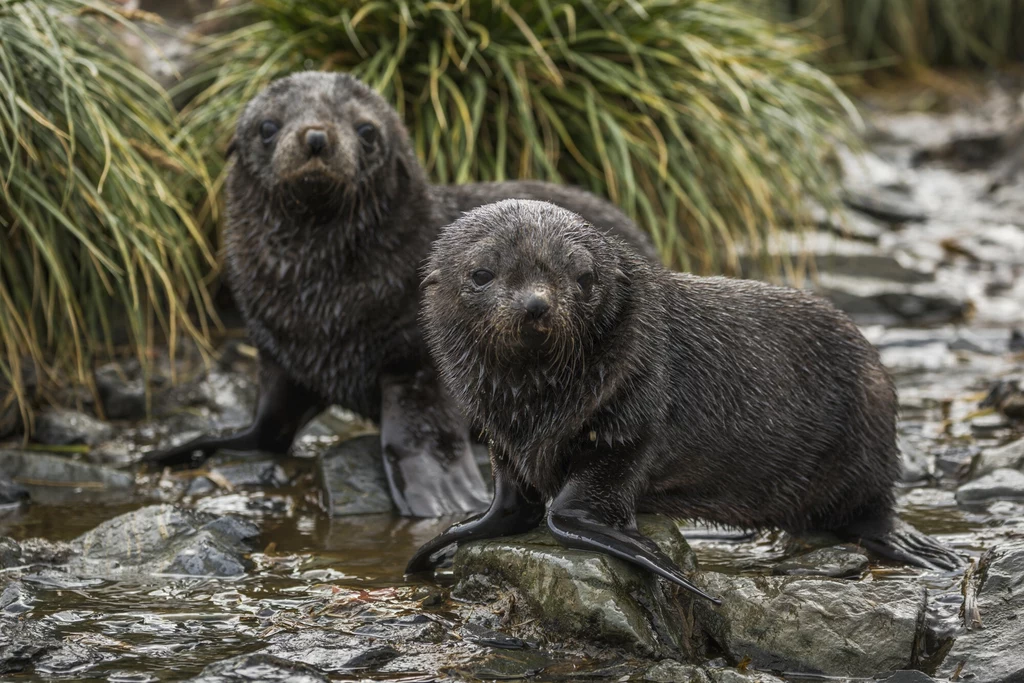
259 667
552 593
837 562
1001 484
814 625
991 652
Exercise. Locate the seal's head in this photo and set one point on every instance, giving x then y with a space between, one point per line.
521 281
316 138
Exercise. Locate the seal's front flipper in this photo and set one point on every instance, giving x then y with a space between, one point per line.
578 527
283 408
511 512
895 539
426 447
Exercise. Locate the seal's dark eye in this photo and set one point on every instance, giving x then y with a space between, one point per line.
268 129
367 133
481 277
585 281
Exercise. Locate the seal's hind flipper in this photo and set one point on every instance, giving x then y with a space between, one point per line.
197 451
896 540
576 528
511 512
427 453
283 408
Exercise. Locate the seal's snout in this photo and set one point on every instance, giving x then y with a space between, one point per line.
316 141
536 304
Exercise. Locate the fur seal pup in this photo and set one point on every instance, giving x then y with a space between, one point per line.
608 385
330 217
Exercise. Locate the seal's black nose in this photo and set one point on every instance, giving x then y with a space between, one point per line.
316 141
536 306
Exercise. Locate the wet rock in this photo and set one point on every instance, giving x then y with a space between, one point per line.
331 650
122 394
904 676
10 553
988 425
62 427
1016 343
353 478
164 539
917 466
993 653
848 257
838 562
885 205
259 667
671 671
1007 397
15 599
849 224
1002 484
409 628
22 642
505 666
69 658
481 635
42 551
954 460
251 473
56 479
573 595
725 675
11 494
1008 456
838 628
224 400
916 349
877 301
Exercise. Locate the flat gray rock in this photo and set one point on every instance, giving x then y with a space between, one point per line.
353 478
837 562
62 427
1007 456
832 627
1003 484
164 539
994 653
54 479
331 650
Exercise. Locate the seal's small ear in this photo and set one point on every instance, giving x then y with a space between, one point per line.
432 279
622 277
232 147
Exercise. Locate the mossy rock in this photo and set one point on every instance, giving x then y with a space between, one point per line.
560 595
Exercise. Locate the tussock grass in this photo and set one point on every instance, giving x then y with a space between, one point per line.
697 117
914 34
97 248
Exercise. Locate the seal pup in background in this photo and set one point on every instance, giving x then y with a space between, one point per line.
608 385
330 217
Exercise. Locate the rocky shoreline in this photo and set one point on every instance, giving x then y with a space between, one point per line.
291 569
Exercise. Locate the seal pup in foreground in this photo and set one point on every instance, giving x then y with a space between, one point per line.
608 385
330 217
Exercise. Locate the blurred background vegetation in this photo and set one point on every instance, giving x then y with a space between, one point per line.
711 122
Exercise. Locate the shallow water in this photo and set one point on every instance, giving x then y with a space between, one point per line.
311 565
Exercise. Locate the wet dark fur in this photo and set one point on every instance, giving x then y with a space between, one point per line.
726 400
324 266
